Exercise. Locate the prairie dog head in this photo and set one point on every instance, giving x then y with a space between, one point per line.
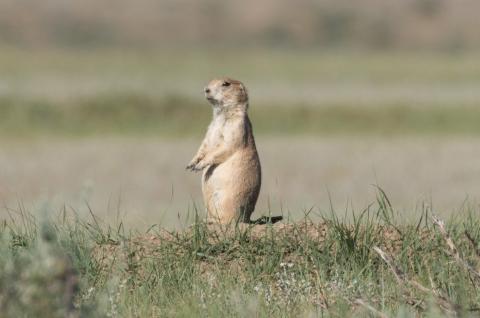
226 93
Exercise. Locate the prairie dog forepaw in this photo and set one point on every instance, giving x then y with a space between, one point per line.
192 164
200 166
195 166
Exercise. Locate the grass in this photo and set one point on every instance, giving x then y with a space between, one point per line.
362 264
159 92
295 66
180 116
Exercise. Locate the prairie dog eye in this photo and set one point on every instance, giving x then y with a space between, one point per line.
225 84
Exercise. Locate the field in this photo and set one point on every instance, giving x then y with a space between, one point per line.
373 265
143 180
116 128
98 207
157 92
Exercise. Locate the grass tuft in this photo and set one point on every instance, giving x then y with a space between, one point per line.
365 263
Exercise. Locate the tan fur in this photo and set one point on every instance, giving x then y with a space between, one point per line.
228 157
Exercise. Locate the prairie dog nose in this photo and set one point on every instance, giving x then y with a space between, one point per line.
207 90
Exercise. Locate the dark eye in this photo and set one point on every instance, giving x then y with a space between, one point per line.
225 84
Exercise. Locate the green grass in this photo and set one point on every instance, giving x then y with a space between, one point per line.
181 116
159 92
63 264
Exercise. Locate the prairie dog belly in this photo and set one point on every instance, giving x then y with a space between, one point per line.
231 188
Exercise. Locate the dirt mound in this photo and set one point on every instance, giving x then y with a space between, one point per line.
290 237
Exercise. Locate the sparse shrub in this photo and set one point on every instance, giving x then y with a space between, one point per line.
36 280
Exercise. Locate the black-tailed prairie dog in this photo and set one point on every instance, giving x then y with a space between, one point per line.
228 157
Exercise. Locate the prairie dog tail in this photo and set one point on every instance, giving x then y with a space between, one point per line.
267 220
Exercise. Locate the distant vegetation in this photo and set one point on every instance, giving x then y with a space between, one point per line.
176 116
79 93
368 24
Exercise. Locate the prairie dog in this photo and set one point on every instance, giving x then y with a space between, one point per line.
228 157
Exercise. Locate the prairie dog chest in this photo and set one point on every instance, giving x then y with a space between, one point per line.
221 130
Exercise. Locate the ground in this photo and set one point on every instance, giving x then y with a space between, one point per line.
374 264
143 180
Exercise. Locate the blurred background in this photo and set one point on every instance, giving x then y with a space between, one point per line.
102 107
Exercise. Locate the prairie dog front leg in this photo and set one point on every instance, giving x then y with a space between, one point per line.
217 156
199 156
231 139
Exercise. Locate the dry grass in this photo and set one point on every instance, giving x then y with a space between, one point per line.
144 181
